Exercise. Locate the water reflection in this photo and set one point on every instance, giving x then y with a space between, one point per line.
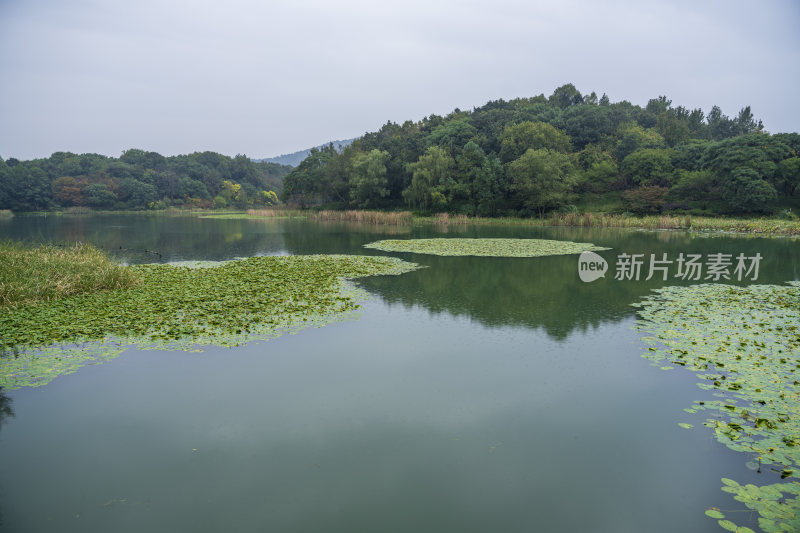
6 411
536 293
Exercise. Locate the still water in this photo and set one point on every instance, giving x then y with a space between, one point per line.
477 394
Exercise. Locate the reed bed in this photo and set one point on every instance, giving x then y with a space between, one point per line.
277 213
764 226
6 213
31 274
393 218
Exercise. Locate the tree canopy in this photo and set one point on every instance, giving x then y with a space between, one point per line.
535 154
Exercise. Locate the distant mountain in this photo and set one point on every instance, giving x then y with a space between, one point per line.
295 158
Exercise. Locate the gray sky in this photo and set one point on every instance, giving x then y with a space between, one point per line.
264 78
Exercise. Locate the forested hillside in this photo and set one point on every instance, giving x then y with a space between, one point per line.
563 152
138 180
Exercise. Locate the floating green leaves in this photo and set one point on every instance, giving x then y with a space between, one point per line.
485 247
181 307
744 342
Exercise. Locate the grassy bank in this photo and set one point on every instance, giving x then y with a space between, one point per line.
32 274
764 226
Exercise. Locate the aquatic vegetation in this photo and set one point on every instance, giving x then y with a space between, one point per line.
183 307
756 226
40 273
389 218
257 214
485 247
744 343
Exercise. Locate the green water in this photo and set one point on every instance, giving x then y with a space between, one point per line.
478 394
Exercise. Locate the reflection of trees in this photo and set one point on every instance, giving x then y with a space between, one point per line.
6 411
536 292
175 237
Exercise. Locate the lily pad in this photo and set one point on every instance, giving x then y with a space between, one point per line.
183 308
484 247
744 344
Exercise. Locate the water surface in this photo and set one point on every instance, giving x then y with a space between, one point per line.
478 394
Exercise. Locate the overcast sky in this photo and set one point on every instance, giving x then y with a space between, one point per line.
265 78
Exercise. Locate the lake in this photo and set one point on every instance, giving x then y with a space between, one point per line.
476 394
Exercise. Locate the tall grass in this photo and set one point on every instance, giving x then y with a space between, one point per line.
767 226
6 213
31 274
277 213
393 218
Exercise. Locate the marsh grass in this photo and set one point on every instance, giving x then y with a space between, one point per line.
766 226
277 212
6 213
30 274
393 218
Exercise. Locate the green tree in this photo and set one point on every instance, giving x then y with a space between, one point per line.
470 165
99 197
565 96
693 185
189 188
600 177
789 173
587 124
452 135
516 139
648 167
745 191
368 184
431 175
634 137
541 179
490 186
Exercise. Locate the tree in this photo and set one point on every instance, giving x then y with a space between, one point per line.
98 196
634 137
692 185
600 176
303 184
565 96
29 188
431 175
470 165
189 188
542 179
490 186
68 191
648 167
516 139
586 124
745 191
368 181
452 135
757 151
136 195
789 172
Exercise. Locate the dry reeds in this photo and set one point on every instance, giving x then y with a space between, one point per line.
277 213
394 218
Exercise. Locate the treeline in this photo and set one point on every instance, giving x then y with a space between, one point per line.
532 155
138 180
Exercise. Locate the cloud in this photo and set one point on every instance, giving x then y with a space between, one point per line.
264 78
